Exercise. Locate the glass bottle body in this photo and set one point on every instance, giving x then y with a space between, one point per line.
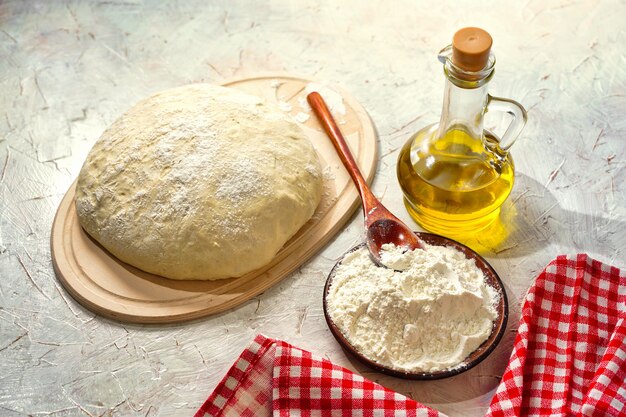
455 175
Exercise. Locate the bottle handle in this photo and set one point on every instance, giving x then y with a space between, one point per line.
514 109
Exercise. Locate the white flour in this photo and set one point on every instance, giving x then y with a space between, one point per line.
333 100
429 317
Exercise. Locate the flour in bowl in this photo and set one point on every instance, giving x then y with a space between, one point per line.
427 318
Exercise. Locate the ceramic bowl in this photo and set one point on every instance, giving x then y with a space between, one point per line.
474 358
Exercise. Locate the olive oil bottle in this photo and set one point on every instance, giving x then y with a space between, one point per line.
455 175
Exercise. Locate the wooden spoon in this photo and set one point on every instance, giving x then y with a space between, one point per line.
381 226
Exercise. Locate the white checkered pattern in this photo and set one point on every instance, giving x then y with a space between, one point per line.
569 357
273 378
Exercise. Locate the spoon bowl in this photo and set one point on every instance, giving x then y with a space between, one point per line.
474 358
386 230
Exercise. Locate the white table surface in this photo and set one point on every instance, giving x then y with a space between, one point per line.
69 68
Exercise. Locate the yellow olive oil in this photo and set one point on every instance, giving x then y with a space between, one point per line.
454 185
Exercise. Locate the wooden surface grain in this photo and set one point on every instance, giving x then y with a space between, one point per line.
69 68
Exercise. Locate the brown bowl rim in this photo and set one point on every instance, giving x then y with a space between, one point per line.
474 358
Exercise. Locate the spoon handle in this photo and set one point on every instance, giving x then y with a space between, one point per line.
382 226
328 122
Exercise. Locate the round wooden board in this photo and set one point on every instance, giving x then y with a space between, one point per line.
117 290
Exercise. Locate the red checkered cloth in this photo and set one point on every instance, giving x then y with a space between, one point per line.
273 378
569 356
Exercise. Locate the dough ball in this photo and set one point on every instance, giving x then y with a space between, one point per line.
199 182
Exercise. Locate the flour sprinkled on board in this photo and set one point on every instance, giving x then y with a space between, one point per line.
284 106
301 117
333 100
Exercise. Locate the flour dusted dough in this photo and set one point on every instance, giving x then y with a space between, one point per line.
198 182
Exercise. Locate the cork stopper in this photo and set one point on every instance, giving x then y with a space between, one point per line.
470 49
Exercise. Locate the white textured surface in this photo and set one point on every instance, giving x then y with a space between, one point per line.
68 69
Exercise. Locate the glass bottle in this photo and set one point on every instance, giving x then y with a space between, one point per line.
454 174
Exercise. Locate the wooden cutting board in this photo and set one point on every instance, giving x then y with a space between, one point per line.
114 289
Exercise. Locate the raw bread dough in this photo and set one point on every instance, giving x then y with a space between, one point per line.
199 182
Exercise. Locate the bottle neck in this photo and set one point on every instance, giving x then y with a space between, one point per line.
463 109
